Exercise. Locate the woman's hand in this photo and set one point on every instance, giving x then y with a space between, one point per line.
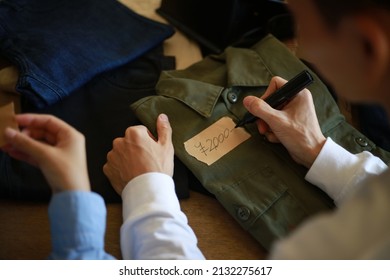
53 146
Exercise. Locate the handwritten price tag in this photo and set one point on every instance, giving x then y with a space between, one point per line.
216 141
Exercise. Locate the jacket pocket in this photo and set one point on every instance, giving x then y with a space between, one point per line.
263 205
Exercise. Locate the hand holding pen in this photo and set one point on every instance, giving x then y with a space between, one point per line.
282 95
295 125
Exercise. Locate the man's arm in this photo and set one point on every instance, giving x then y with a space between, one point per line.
358 229
140 168
339 173
154 226
332 168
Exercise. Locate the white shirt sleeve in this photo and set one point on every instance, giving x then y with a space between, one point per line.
338 172
359 227
154 226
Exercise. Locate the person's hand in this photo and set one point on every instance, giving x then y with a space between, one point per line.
295 125
138 153
53 146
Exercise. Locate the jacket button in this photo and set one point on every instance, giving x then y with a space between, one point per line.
243 213
361 141
232 97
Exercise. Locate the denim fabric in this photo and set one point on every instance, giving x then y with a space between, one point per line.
60 45
101 111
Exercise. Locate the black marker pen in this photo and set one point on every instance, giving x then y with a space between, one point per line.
282 95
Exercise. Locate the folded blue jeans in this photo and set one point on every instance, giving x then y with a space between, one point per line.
101 111
60 45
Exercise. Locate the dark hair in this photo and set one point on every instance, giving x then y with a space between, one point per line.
334 10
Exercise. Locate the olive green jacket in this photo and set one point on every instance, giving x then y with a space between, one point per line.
257 182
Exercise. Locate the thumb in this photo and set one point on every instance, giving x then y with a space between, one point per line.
259 108
164 129
24 144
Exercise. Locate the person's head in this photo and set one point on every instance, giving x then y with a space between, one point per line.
349 42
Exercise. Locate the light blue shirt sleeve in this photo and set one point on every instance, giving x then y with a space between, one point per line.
78 224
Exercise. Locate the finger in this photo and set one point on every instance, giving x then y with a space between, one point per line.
46 122
271 137
262 126
304 97
20 156
164 129
116 144
41 134
23 144
106 169
260 108
275 83
135 133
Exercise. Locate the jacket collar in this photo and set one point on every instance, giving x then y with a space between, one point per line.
208 78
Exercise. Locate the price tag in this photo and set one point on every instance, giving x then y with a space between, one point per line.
216 141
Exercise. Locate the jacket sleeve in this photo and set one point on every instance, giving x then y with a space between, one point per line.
154 226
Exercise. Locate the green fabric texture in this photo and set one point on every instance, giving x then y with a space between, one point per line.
258 183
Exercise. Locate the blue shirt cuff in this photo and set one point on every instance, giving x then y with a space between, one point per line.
77 222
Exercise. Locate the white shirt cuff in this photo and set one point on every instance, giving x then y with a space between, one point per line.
150 190
331 169
338 172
